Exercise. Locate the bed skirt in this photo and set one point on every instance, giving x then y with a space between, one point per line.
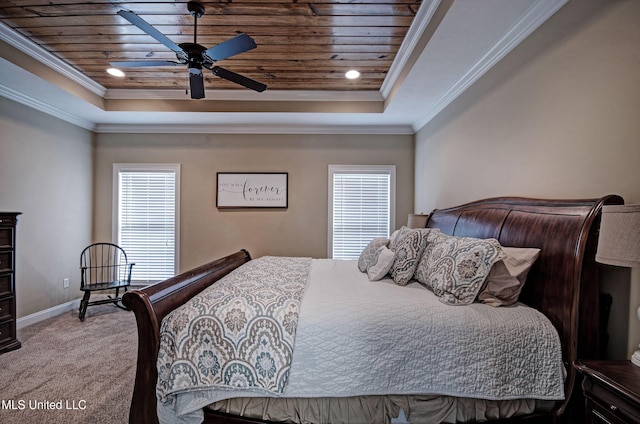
379 409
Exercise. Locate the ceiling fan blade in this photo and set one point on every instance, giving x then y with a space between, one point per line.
196 83
238 44
144 63
146 27
238 79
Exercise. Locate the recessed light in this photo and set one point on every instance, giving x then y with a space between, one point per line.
352 74
115 72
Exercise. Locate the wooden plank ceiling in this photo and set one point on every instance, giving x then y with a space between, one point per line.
302 44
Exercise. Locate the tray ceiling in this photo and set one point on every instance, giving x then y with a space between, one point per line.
301 45
414 58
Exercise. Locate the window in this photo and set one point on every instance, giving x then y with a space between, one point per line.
361 207
146 218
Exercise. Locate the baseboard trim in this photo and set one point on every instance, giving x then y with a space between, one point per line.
47 313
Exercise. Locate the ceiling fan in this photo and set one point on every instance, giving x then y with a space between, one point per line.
195 56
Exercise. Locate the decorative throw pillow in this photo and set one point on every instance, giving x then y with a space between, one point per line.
398 236
420 273
392 238
380 264
507 277
369 251
455 267
408 252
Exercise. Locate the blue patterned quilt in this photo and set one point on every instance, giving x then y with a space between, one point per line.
353 337
237 334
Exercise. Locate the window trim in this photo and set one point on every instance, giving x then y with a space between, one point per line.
360 169
146 167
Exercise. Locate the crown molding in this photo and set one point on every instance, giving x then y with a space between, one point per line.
45 108
411 40
246 95
253 129
539 12
22 43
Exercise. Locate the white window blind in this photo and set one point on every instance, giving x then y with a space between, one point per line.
362 205
147 216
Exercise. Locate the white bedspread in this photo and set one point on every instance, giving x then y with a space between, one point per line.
357 337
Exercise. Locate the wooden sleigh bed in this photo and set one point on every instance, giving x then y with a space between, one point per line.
563 284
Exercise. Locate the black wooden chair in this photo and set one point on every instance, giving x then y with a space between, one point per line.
103 266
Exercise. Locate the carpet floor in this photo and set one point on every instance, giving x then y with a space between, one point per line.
68 371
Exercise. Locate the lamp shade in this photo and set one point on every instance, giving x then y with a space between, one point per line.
417 220
619 241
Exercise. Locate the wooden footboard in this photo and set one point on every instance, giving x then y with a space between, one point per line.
150 305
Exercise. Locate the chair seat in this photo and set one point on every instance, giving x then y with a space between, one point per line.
105 286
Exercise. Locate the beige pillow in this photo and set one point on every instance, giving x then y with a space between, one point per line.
369 251
380 264
507 277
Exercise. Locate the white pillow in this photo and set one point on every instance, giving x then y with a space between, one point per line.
380 264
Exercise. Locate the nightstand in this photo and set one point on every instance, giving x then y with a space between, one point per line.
612 391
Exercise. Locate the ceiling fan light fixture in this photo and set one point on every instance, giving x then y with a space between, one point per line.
115 72
352 74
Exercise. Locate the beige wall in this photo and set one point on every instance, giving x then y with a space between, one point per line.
46 172
206 232
558 117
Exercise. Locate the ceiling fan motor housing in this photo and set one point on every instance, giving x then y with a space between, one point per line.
194 54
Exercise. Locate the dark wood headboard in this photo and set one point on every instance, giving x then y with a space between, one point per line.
564 282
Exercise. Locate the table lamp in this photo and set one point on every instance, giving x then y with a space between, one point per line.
417 220
619 242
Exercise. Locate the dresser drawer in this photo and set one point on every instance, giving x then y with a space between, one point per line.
6 309
6 261
6 238
6 288
7 332
612 406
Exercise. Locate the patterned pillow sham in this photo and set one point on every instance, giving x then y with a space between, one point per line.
507 277
392 238
369 252
380 264
399 235
455 267
407 254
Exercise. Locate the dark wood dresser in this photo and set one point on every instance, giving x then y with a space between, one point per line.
8 337
611 390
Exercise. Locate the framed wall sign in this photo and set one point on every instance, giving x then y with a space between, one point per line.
252 190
